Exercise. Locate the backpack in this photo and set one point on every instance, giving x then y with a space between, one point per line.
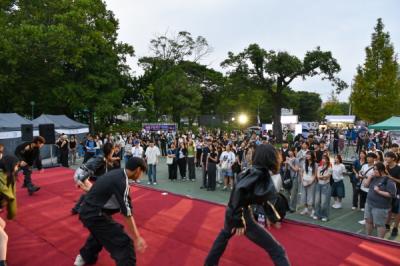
287 181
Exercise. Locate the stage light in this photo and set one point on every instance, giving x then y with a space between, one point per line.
243 119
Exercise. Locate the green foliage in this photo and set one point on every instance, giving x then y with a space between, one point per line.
376 89
64 55
178 96
305 105
274 71
334 108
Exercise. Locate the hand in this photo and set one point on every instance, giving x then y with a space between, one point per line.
23 163
140 244
376 189
239 231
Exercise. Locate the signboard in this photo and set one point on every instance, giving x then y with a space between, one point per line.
285 111
289 119
310 125
160 127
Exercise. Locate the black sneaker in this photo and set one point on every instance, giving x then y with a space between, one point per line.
394 232
387 227
74 211
33 189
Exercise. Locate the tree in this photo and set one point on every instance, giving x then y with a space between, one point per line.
268 68
64 56
180 97
376 88
305 104
183 52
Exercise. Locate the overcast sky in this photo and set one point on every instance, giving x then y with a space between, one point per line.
296 26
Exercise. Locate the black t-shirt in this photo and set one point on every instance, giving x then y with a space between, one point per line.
72 144
318 156
205 152
395 173
109 195
213 155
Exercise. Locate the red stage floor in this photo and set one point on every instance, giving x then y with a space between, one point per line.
178 230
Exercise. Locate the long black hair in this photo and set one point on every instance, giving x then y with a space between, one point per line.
7 165
266 156
307 164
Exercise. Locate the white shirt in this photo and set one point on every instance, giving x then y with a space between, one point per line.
137 151
364 172
228 156
326 172
338 172
151 154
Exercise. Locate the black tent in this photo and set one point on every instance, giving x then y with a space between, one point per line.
62 124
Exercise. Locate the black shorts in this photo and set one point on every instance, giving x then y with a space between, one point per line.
396 204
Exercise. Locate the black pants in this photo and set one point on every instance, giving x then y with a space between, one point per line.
256 234
64 158
78 204
336 146
163 149
212 175
105 232
182 167
172 171
198 157
27 171
191 168
204 175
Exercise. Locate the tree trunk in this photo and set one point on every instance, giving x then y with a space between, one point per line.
276 116
91 122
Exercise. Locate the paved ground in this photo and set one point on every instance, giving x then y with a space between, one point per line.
343 219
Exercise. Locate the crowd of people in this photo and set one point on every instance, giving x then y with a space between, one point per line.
312 172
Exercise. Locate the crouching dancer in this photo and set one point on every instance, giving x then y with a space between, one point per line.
89 171
254 186
109 195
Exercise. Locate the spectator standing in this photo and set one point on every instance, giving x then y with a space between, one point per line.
152 154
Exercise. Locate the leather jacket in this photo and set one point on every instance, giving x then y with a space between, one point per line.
253 186
94 167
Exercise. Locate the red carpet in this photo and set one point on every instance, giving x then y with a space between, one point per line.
178 230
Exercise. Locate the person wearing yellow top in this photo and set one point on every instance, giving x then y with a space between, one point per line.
8 171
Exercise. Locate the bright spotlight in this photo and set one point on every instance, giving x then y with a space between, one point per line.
243 119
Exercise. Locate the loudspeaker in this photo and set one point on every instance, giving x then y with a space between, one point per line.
47 131
26 132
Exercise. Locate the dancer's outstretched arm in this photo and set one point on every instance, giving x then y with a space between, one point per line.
134 232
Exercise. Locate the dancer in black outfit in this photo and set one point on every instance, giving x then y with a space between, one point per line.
110 195
254 186
29 154
91 170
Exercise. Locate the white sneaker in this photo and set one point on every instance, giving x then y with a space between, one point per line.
155 183
324 219
312 213
361 222
353 208
138 181
304 212
148 183
362 209
315 217
339 206
79 261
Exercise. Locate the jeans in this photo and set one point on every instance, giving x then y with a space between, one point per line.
255 233
322 200
212 172
307 195
182 167
294 194
126 158
152 173
27 171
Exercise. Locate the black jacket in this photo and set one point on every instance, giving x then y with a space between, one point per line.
26 153
254 186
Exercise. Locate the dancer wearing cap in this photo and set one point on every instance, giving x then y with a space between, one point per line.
254 186
109 195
